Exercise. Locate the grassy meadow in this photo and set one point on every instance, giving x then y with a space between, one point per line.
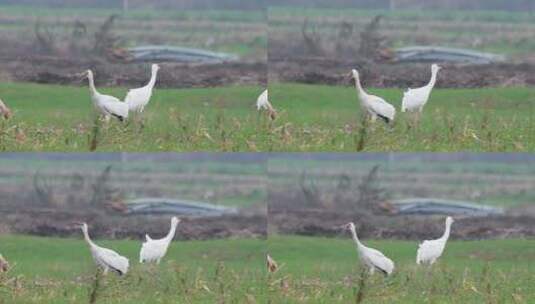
52 270
311 118
311 270
490 119
322 270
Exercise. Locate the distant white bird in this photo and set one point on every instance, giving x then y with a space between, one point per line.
414 100
373 105
105 258
155 250
272 266
370 257
138 98
430 251
105 104
262 103
4 265
4 110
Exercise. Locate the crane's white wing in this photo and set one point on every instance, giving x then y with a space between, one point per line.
429 250
113 106
379 260
138 98
413 99
111 259
382 108
263 102
153 250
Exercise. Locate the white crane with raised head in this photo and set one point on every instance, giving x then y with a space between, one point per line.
373 106
105 258
414 100
262 103
430 250
155 250
105 104
372 258
138 98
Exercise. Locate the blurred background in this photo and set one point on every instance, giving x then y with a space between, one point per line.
403 196
199 43
124 195
482 43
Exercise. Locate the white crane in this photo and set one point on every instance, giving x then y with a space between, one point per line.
105 258
373 106
414 100
262 103
4 110
155 250
370 257
138 98
430 251
105 104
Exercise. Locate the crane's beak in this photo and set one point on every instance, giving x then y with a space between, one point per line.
80 76
75 224
343 227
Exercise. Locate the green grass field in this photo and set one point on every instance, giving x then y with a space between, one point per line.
52 270
327 118
311 118
60 118
312 270
322 270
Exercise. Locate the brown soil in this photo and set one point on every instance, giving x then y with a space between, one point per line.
320 70
291 213
321 222
43 222
53 70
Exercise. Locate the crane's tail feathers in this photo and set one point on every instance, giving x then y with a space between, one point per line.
121 118
384 272
384 118
117 270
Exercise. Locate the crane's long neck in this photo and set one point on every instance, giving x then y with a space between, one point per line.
360 91
169 237
87 239
446 234
433 79
92 88
356 238
152 80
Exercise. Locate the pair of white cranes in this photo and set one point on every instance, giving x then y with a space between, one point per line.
151 251
373 106
428 251
413 100
135 100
